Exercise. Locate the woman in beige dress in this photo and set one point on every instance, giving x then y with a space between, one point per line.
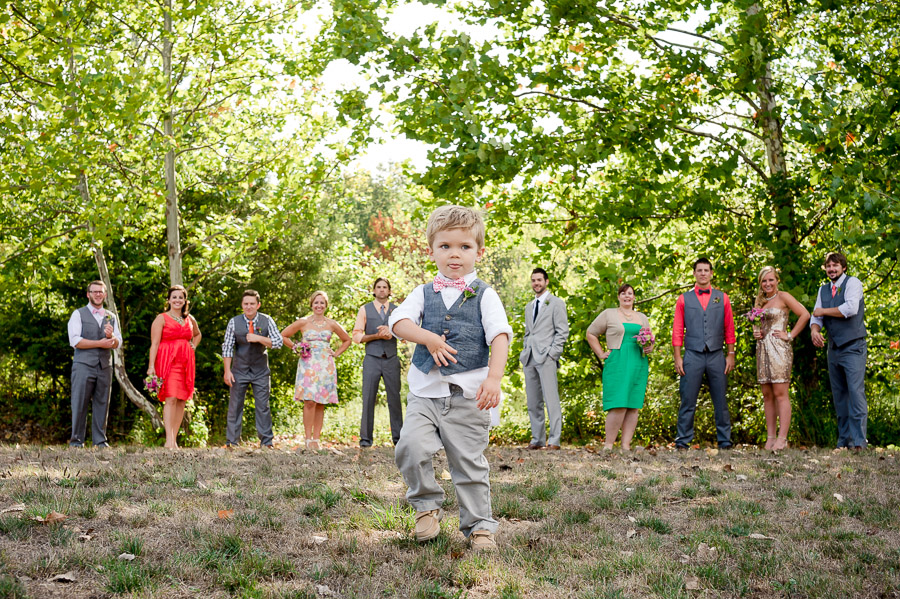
775 355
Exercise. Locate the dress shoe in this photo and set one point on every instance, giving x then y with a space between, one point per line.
482 540
428 524
681 447
553 447
534 446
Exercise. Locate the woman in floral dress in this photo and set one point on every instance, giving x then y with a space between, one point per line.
316 381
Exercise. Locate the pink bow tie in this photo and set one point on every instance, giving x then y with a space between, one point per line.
441 282
96 311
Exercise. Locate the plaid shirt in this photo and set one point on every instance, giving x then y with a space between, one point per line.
274 334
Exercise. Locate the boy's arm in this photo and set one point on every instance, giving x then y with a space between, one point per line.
437 345
488 395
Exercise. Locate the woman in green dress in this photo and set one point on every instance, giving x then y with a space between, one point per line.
626 366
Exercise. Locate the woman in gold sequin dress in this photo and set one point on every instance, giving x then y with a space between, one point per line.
775 355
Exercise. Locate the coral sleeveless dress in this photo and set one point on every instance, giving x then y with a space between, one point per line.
175 363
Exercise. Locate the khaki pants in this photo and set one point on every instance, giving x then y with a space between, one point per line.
458 425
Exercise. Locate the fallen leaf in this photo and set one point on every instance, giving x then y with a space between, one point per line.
839 497
67 577
632 519
52 518
639 471
741 477
728 468
225 514
631 533
712 452
692 583
445 475
85 537
626 553
704 551
323 590
126 557
19 507
629 489
684 558
504 467
319 540
756 535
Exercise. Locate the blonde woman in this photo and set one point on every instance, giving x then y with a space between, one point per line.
316 381
626 369
775 355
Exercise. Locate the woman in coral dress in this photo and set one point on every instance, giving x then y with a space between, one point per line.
174 336
316 381
775 355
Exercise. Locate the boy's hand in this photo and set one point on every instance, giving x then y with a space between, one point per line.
488 395
440 350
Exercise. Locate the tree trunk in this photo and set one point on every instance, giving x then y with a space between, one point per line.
173 236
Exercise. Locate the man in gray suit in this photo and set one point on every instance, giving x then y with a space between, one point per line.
93 332
704 325
248 338
381 362
546 331
841 310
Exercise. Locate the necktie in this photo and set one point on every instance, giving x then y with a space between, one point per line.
441 282
250 327
703 291
833 290
383 312
536 304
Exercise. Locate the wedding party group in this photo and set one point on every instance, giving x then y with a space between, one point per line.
462 337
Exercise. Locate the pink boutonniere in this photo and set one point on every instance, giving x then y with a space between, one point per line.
469 292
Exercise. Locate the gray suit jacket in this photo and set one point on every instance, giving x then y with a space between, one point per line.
546 337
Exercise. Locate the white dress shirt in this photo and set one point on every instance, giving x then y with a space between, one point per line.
493 320
541 299
75 325
853 292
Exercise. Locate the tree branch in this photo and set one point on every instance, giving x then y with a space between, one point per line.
564 98
42 242
750 162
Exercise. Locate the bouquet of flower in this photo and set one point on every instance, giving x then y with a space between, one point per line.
645 338
754 315
303 349
152 384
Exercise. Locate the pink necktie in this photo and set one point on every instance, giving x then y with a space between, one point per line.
833 290
441 282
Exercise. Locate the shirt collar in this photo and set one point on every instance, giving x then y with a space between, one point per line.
91 307
840 281
543 297
697 288
468 278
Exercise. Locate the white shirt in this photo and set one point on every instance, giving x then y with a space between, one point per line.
75 326
541 299
853 292
493 320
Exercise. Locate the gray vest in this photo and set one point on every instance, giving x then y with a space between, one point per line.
704 329
386 348
842 331
95 356
461 325
250 357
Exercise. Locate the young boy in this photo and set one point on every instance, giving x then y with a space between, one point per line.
462 337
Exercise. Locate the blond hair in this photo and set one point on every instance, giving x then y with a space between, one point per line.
761 296
455 217
316 294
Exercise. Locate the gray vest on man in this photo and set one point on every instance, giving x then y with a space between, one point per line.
704 330
842 331
95 356
461 325
381 348
250 358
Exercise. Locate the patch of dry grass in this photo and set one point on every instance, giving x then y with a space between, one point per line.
281 524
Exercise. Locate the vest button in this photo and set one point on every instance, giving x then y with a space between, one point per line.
448 317
446 331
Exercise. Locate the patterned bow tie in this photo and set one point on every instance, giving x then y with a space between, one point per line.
442 282
703 291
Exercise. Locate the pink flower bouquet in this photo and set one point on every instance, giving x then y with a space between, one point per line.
152 384
303 349
646 339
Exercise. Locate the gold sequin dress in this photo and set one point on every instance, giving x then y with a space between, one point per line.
774 356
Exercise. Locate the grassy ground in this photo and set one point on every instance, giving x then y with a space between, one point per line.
282 524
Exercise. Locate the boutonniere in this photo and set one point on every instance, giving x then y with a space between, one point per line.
716 300
107 318
469 292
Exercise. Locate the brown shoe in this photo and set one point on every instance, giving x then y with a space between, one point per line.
482 540
553 447
534 446
428 524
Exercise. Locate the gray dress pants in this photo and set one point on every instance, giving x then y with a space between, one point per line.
847 371
710 364
261 385
376 368
90 383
